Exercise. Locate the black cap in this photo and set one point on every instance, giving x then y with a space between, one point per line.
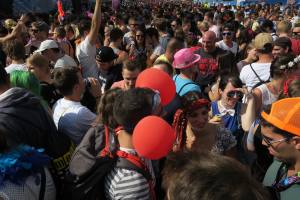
106 54
283 42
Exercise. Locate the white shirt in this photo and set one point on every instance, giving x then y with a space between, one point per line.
249 78
65 61
86 53
223 45
72 118
13 67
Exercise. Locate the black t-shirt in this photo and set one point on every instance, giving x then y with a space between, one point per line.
211 64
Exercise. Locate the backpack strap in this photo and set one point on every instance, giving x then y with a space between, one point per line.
255 73
190 83
132 162
43 185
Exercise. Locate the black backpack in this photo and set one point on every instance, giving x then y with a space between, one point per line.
92 160
261 82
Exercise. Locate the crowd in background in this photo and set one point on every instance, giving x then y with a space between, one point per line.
71 84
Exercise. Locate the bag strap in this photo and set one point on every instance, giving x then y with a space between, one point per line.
43 185
132 162
190 83
255 73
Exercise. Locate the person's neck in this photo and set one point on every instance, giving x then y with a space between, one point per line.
225 105
115 45
248 60
46 78
284 35
169 56
4 88
297 165
187 75
228 43
162 33
125 139
20 61
265 58
276 85
57 56
73 97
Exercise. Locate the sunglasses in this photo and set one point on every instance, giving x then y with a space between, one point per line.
235 94
227 33
296 33
35 30
134 24
173 25
139 35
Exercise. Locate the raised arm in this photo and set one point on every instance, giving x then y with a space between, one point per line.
16 31
96 21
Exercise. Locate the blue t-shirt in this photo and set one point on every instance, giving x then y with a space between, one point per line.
184 86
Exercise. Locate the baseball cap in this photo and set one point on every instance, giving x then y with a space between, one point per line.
185 58
285 115
106 54
283 42
47 44
261 40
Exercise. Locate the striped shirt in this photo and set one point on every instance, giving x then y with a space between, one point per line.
127 184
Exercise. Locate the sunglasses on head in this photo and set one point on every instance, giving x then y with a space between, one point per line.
235 94
227 33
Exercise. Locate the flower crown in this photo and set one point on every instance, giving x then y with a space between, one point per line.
291 64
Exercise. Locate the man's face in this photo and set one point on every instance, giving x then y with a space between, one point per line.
227 35
174 25
209 43
130 78
104 65
36 33
133 25
48 53
296 33
280 146
279 51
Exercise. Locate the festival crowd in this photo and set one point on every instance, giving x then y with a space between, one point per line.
165 100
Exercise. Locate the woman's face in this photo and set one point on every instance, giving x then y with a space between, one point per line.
252 54
198 118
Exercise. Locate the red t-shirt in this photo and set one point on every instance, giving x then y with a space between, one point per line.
295 46
119 84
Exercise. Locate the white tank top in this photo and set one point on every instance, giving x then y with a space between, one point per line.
267 97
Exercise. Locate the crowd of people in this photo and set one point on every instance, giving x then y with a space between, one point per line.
165 100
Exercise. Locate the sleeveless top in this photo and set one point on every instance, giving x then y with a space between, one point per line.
233 123
267 96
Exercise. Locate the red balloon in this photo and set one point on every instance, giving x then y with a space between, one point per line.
157 80
153 137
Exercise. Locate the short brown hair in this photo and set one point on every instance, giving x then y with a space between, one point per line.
15 49
38 60
203 176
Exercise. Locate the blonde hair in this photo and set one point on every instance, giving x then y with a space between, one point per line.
284 27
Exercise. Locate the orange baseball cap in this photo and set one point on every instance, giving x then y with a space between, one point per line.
285 114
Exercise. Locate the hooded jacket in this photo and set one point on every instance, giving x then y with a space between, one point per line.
24 120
